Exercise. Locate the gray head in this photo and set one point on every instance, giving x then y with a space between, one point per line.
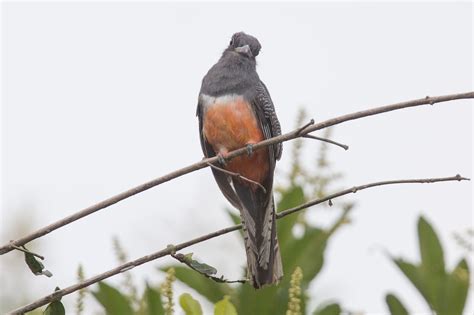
244 44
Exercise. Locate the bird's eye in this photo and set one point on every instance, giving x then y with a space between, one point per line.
231 42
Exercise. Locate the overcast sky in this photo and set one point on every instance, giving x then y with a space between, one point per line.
100 97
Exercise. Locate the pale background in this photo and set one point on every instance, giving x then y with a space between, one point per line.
100 97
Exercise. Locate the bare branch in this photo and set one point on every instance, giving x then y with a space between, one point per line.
23 249
310 127
169 250
362 187
344 146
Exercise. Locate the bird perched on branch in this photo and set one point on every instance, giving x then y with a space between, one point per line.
235 110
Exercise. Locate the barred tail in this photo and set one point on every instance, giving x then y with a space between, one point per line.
261 245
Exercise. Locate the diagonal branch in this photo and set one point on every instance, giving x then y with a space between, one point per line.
237 175
204 163
172 249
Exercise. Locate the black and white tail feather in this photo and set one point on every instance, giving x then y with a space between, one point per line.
261 244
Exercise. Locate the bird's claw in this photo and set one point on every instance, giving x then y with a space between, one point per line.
249 149
221 159
172 249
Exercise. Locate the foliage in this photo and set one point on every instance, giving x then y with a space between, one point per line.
328 309
115 302
190 305
112 300
225 307
56 307
445 292
151 302
395 305
36 266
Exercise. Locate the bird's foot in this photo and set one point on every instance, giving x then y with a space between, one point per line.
221 159
249 149
171 248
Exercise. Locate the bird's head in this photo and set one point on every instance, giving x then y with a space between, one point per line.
245 45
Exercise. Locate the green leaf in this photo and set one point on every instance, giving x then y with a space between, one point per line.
416 277
290 198
432 257
307 253
456 289
235 217
55 308
189 305
36 266
330 309
264 301
114 302
395 306
432 269
208 288
445 293
154 305
203 267
224 307
196 265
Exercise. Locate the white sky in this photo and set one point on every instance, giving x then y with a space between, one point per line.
100 97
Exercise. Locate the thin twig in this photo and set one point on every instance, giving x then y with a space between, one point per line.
203 163
23 249
345 147
238 176
362 187
173 249
300 129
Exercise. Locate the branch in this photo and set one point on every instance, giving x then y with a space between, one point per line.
24 250
204 163
174 248
362 187
238 176
344 146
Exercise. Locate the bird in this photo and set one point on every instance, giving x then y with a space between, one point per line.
235 110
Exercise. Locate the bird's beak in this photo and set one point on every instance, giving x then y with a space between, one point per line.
244 50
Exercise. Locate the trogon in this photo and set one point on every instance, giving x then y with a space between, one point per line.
235 110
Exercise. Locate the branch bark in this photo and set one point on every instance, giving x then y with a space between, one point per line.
300 132
172 249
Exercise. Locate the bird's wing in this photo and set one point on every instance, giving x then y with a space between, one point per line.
223 180
268 118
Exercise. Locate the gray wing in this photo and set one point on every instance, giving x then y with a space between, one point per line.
223 180
269 122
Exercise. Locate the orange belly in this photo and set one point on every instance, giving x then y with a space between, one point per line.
231 126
